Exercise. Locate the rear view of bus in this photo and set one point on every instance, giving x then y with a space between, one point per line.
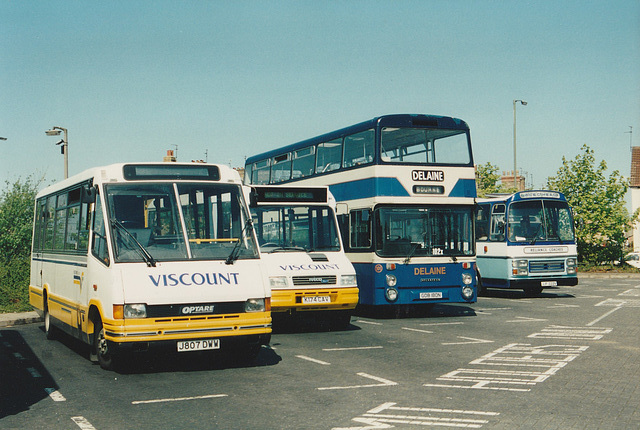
134 257
308 271
526 241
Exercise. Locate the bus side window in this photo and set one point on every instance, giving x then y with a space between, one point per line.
360 223
359 148
482 222
99 243
497 223
329 156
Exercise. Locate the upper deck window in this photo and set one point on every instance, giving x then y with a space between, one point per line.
329 156
359 148
424 145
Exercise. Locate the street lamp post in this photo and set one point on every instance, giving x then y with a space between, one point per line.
515 175
55 131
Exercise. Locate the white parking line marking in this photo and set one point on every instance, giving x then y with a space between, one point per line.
526 319
387 413
178 399
473 340
313 360
580 333
83 423
55 395
560 305
383 383
449 323
416 329
368 322
355 348
634 293
595 321
550 358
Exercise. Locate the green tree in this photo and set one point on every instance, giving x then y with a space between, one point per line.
487 178
16 221
598 206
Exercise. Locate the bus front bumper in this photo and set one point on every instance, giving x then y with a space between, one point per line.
304 300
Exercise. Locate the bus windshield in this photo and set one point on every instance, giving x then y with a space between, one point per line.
423 145
424 231
148 220
540 221
296 228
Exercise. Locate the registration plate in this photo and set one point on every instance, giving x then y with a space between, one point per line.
433 295
316 299
198 345
549 283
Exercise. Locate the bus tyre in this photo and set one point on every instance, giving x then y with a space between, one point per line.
49 329
101 346
482 290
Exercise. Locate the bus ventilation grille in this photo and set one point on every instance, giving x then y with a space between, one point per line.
318 257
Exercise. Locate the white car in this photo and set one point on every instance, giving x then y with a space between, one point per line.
633 259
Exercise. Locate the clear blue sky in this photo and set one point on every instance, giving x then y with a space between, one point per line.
131 79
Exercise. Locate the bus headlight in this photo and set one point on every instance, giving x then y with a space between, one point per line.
572 264
467 292
254 305
348 280
391 294
466 279
137 310
391 280
520 267
278 282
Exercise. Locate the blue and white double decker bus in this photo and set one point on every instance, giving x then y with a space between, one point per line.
526 241
405 188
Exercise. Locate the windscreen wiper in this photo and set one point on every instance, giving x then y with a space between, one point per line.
288 248
151 262
414 248
235 252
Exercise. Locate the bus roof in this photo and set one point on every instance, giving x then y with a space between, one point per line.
119 172
523 195
395 120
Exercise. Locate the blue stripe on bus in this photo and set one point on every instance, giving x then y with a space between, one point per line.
464 188
390 187
369 187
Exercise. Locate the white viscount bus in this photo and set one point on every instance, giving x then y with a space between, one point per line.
133 257
308 270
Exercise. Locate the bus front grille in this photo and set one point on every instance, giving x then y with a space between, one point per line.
544 266
314 280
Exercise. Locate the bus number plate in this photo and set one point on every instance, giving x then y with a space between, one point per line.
316 299
434 295
198 345
549 283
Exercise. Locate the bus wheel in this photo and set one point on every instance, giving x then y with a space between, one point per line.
101 346
49 329
482 290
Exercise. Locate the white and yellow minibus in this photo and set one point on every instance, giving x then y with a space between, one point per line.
308 271
134 257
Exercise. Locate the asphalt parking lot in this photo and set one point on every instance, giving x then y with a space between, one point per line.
568 359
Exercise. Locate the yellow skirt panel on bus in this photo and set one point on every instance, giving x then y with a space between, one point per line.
36 298
194 327
314 300
63 310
